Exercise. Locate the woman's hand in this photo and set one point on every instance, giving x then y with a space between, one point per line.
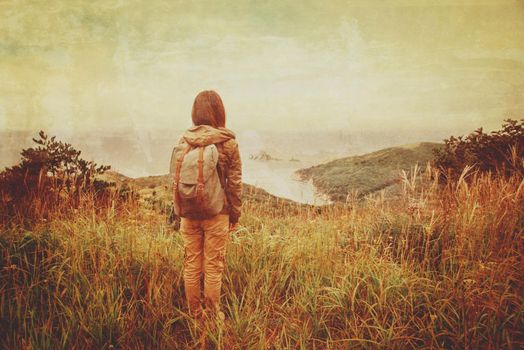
233 227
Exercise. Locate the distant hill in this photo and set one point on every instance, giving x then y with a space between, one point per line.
369 172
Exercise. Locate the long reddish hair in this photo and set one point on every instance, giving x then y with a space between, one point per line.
208 109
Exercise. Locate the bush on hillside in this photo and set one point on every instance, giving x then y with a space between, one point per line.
500 152
49 174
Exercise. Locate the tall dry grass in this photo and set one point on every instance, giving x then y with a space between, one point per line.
438 267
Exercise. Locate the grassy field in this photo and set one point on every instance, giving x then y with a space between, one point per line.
437 267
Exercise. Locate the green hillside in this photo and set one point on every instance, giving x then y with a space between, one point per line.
156 190
369 172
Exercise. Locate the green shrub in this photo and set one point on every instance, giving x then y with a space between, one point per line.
500 152
50 174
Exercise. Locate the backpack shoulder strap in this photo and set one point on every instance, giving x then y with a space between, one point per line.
200 181
221 171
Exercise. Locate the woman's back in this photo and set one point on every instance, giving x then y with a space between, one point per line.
205 238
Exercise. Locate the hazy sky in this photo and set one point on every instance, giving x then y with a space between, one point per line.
286 65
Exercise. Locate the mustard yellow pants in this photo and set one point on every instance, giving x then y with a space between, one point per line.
205 247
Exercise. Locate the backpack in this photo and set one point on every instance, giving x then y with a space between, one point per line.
197 189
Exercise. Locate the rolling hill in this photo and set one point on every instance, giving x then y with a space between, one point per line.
157 191
367 173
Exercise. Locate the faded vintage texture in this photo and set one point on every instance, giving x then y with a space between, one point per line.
75 65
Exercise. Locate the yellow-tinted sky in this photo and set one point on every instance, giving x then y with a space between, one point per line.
286 65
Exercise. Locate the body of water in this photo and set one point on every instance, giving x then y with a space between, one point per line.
278 178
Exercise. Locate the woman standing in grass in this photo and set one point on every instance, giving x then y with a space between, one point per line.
207 201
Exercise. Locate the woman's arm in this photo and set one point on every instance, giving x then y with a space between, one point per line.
234 181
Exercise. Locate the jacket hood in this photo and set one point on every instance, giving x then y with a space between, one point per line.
203 135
